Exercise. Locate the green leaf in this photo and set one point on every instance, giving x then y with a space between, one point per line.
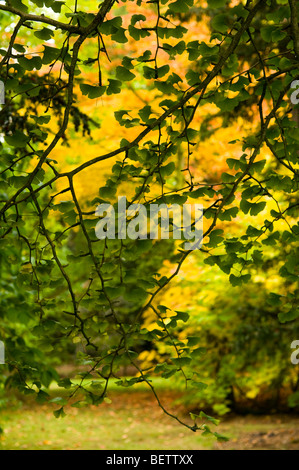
291 315
213 420
228 214
18 139
45 34
19 5
239 280
41 119
145 113
227 178
92 91
137 18
180 6
257 207
198 352
167 170
199 385
124 74
46 378
42 397
114 87
111 26
120 36
136 294
59 413
50 55
220 23
221 437
272 33
181 361
58 400
30 64
56 6
193 340
215 237
184 316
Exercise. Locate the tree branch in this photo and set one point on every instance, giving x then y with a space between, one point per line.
43 19
295 27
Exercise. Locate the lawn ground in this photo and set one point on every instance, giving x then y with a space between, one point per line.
133 421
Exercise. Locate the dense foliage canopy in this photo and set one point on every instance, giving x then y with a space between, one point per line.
163 101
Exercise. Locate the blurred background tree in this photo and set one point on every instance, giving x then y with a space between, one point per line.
165 102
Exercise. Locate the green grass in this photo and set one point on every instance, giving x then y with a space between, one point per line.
159 383
133 421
